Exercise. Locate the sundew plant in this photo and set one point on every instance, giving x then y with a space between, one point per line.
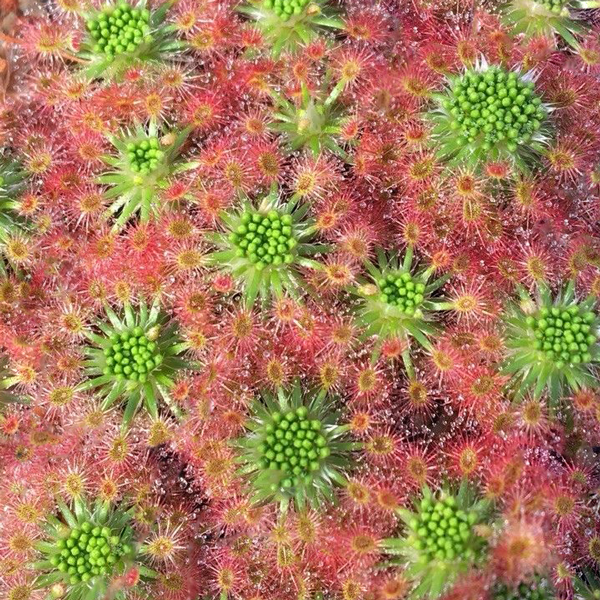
300 300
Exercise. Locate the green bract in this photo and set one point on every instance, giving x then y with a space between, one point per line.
587 588
12 183
294 449
552 343
290 24
443 539
141 171
315 124
136 358
538 589
122 34
6 382
396 301
264 247
490 114
545 18
85 549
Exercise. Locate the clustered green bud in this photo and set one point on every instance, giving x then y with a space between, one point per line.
265 239
444 532
295 444
555 6
144 155
1 180
400 290
563 335
524 591
494 106
87 551
131 356
119 30
284 9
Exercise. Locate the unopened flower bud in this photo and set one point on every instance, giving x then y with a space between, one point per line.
368 290
528 306
153 333
167 140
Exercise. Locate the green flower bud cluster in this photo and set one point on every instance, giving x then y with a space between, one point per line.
400 290
1 180
87 551
285 9
563 335
494 107
554 6
442 531
144 155
119 30
524 591
265 239
295 444
131 356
